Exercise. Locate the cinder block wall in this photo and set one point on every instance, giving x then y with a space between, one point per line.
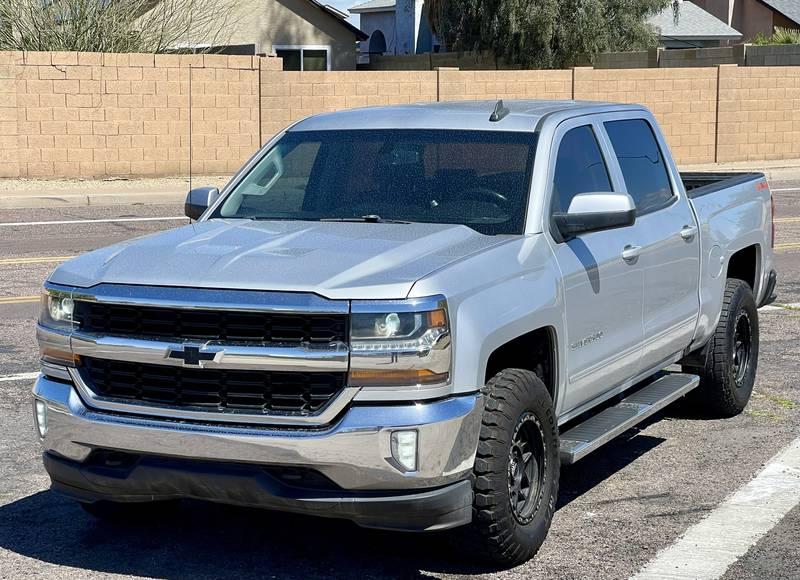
773 55
95 115
683 101
759 113
289 96
92 114
457 85
9 160
702 57
616 60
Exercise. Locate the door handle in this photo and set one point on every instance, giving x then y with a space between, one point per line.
688 232
631 253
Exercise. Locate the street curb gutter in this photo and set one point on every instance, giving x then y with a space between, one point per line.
98 199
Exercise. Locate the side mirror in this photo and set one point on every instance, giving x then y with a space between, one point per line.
199 200
594 212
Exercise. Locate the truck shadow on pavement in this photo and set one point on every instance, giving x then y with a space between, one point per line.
202 540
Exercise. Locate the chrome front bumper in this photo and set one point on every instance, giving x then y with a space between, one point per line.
354 452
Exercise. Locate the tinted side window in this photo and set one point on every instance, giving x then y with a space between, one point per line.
580 168
642 163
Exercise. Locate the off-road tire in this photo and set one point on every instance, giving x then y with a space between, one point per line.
513 397
719 394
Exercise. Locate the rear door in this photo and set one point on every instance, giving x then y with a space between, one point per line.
666 232
602 292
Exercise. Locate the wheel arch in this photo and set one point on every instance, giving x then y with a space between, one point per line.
744 265
516 353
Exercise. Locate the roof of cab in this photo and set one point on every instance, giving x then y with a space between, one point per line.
523 115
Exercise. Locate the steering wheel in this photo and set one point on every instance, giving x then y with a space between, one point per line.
481 193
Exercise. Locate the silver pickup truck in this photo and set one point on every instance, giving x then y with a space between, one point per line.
408 317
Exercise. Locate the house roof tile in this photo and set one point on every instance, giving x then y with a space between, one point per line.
789 8
373 6
693 22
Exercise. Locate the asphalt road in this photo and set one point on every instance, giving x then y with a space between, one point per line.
617 509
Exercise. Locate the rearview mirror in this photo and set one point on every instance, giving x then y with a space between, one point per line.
594 212
199 200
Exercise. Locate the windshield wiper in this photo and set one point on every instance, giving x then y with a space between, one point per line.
371 219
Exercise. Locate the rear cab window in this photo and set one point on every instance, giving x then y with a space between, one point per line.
642 164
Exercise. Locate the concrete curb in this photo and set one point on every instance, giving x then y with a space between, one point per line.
98 199
783 174
783 170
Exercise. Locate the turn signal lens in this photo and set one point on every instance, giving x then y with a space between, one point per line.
397 377
59 357
772 203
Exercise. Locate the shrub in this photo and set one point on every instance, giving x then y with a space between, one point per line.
780 36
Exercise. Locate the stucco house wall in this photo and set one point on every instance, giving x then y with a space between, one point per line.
750 17
270 23
383 21
753 17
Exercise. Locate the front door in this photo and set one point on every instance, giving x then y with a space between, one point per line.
603 292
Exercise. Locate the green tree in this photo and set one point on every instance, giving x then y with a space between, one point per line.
546 33
112 25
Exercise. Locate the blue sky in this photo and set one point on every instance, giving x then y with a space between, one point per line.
344 5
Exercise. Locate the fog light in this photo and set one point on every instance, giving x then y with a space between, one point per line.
404 449
41 417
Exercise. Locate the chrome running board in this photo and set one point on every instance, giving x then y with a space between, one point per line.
601 428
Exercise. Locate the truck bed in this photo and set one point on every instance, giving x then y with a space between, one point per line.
733 211
702 183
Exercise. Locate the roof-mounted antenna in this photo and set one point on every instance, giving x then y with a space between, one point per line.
500 112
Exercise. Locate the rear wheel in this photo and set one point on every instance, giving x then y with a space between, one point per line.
730 359
516 470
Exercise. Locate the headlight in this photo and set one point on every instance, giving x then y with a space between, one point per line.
403 343
56 320
57 310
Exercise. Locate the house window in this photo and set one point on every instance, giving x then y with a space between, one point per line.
377 43
308 58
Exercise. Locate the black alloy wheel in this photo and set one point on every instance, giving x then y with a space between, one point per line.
526 468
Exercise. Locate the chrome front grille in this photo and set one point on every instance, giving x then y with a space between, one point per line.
296 393
212 355
202 324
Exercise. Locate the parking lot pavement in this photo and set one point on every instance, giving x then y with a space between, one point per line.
618 508
769 558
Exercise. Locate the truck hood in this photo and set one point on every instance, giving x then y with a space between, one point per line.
336 260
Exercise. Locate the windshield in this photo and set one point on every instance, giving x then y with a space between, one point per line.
479 179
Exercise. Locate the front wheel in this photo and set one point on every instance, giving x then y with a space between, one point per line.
516 470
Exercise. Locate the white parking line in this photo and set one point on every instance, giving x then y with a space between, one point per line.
786 189
97 221
708 548
780 307
19 377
